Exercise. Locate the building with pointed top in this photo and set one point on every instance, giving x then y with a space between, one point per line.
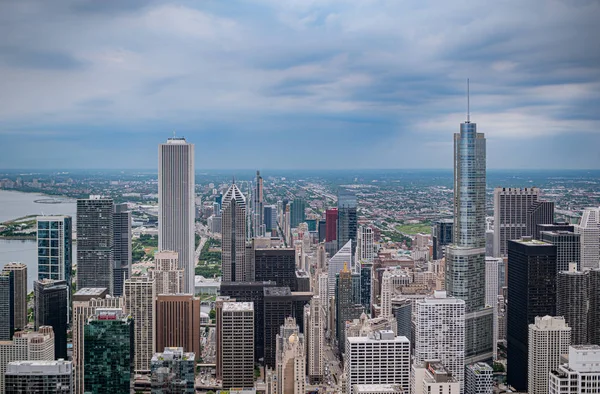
234 236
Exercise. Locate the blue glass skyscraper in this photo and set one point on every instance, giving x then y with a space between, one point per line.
55 247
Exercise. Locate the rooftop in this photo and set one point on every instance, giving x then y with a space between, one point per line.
40 367
91 291
238 306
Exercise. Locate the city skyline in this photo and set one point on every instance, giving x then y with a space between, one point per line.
385 80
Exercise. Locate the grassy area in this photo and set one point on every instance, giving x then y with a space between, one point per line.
414 228
143 247
397 237
209 264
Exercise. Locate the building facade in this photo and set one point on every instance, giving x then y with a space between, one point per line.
580 374
19 303
234 236
291 359
173 371
7 305
589 232
479 379
39 377
52 309
122 247
568 248
140 296
176 185
168 277
236 332
55 247
347 220
572 303
178 322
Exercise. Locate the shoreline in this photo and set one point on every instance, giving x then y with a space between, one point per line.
18 238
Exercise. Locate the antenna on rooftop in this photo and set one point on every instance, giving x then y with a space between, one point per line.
173 133
468 103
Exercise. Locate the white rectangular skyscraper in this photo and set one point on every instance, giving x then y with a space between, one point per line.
176 203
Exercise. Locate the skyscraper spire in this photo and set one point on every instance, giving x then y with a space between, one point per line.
468 103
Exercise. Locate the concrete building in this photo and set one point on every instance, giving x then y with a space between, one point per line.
568 248
431 376
331 218
391 280
176 184
173 371
492 265
140 295
589 232
580 374
402 312
540 212
95 242
274 264
122 247
549 338
377 389
7 305
465 257
85 303
532 293
26 345
19 303
55 247
511 206
572 302
178 322
167 275
52 309
594 307
479 379
108 335
39 377
380 358
347 307
236 332
440 332
291 359
336 264
314 331
366 244
234 237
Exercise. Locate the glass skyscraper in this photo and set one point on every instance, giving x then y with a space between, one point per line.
55 247
347 224
465 262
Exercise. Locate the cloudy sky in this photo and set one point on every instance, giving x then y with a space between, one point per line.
298 83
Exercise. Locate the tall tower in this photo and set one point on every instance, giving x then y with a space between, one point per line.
258 217
51 309
55 247
168 277
7 305
95 238
140 295
176 204
122 247
347 219
19 271
237 344
465 260
234 235
315 333
589 231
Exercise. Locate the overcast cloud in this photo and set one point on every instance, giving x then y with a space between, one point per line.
298 83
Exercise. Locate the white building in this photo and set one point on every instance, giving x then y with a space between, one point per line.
390 281
440 332
380 358
365 243
291 359
314 330
234 236
167 275
336 264
176 215
431 377
49 377
377 389
237 344
589 231
479 379
580 375
549 338
491 295
140 296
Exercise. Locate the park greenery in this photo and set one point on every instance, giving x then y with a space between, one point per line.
209 264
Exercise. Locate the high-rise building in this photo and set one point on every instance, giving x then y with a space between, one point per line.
52 309
176 185
236 334
122 247
347 220
26 346
402 312
347 306
19 271
85 303
366 275
465 257
549 338
108 352
336 264
270 217
441 236
7 305
479 379
291 359
275 264
380 358
594 307
331 218
492 290
257 207
390 281
511 206
431 376
440 332
39 377
297 211
572 302
568 248
234 236
140 295
167 275
540 212
366 244
95 234
315 337
178 322
532 293
55 247
173 371
580 375
589 231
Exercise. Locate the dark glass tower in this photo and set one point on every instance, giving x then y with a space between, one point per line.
108 352
122 247
347 224
465 262
442 236
297 212
366 273
51 309
531 293
7 305
347 303
276 264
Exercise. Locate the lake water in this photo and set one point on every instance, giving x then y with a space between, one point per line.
14 205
